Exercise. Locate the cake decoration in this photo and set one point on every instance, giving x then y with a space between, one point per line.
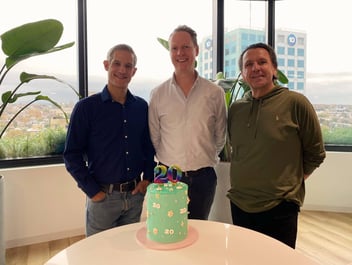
167 206
163 175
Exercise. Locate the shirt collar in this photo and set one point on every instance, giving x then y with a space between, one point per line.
105 96
173 81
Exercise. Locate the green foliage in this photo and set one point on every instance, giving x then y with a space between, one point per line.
337 136
21 43
164 43
47 142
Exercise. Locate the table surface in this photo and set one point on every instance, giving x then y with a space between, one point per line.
216 243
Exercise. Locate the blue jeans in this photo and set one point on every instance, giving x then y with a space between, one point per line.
118 208
201 192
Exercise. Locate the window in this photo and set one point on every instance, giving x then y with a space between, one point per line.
300 85
290 62
280 39
325 77
280 50
107 28
300 63
248 25
291 51
327 72
300 52
300 41
300 74
290 74
40 130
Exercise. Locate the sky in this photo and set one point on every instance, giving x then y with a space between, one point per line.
140 22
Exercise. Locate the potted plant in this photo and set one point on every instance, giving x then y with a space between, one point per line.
21 43
18 44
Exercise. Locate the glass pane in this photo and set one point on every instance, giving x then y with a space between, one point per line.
321 65
139 24
41 128
245 23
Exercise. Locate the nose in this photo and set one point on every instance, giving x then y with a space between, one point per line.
178 51
255 66
122 69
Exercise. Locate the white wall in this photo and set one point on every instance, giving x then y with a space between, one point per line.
41 204
329 188
44 203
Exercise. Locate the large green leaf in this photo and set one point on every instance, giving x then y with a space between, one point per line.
41 97
12 60
164 43
27 77
6 97
32 37
282 77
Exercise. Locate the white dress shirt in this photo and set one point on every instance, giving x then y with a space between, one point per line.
188 131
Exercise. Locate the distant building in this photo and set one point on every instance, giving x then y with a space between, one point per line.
290 47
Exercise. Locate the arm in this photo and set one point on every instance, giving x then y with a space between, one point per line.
76 150
154 123
311 137
149 163
221 122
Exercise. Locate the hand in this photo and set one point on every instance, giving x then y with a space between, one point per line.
99 196
141 187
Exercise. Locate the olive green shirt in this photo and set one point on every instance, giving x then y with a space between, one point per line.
275 141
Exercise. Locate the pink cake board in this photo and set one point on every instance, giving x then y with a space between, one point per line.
142 239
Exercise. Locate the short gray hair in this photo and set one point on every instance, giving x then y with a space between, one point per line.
122 47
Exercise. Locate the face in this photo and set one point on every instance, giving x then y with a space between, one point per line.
183 51
258 70
120 69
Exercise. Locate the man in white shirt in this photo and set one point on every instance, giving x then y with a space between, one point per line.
187 120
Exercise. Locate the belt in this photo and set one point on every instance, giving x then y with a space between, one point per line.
189 173
121 187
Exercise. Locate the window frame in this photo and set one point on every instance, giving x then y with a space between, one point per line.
218 65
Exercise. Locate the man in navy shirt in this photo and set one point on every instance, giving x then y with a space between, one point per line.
108 148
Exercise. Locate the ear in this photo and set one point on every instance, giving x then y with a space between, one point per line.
134 71
275 74
106 64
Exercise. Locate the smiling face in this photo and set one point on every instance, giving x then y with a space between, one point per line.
121 68
258 71
183 51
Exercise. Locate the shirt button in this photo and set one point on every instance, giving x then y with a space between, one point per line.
126 136
126 153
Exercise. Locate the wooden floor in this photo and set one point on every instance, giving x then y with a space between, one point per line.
325 237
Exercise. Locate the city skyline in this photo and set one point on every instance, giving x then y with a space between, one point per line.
322 88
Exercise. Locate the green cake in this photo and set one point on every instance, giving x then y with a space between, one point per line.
167 212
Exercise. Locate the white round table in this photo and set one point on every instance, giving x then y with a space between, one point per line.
216 243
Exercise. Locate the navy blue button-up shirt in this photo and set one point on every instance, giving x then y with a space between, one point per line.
108 142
